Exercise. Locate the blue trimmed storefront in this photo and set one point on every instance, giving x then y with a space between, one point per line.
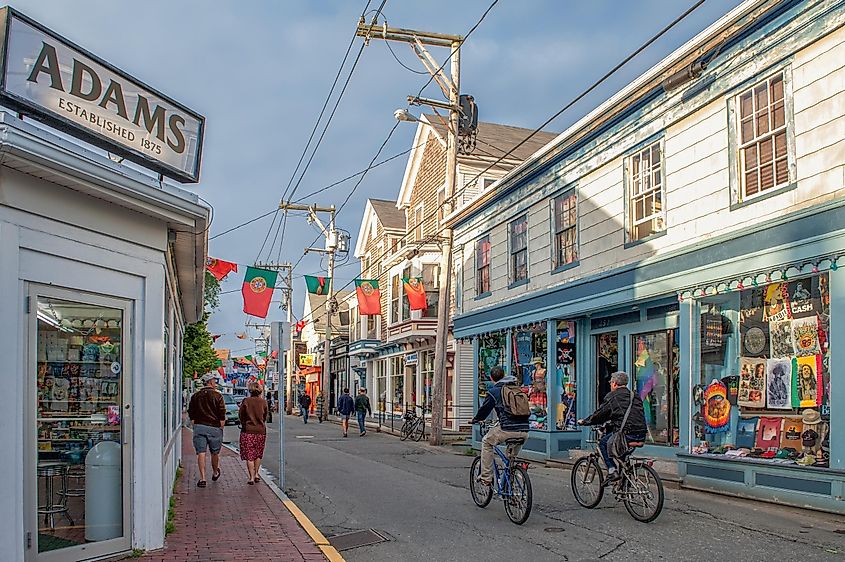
660 307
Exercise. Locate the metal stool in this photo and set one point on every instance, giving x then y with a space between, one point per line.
76 473
49 470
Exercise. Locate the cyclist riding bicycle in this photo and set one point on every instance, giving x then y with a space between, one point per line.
612 412
510 426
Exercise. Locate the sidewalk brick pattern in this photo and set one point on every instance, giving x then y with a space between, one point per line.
230 520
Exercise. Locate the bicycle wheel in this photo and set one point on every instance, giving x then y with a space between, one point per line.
419 430
481 494
643 493
586 479
518 500
405 432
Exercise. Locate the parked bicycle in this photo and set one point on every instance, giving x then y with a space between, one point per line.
414 426
639 486
510 481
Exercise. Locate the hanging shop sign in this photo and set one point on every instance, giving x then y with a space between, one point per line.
307 359
55 81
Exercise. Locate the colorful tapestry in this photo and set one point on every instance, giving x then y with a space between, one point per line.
808 384
805 336
717 408
752 382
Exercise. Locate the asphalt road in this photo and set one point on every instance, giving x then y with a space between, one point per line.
417 496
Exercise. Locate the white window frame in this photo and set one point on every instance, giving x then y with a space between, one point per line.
556 229
639 186
759 138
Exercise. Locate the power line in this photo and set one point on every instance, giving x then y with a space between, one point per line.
541 127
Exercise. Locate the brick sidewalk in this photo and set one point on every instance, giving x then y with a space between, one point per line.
230 520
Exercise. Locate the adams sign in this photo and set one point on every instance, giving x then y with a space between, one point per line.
55 81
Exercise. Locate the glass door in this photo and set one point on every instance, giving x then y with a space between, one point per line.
80 443
606 346
655 378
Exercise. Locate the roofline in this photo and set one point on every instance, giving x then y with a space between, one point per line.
359 244
412 167
622 99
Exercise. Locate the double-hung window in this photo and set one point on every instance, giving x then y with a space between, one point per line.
566 228
646 212
395 298
482 265
418 223
518 231
763 160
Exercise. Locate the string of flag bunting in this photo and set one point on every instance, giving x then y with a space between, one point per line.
259 284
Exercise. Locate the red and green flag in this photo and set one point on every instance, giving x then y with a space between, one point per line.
415 291
219 268
318 285
258 290
369 298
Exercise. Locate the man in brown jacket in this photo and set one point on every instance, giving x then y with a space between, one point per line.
208 414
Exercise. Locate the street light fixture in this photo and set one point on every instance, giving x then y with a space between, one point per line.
404 115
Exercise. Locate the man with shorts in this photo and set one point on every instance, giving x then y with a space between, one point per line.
345 407
207 412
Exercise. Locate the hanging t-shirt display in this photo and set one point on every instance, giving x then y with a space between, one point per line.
804 297
731 382
780 339
779 384
808 382
752 382
714 329
746 432
791 436
768 433
776 303
717 409
805 336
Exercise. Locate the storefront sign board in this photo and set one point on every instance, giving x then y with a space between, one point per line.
55 81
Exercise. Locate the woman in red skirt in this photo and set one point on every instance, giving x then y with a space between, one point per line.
253 415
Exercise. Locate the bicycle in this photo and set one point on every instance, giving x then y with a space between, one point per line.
511 480
413 427
639 486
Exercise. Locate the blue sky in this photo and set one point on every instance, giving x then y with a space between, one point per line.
260 70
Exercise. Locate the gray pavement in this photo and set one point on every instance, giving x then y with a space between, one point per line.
417 495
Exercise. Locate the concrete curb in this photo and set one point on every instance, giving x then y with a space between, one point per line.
330 552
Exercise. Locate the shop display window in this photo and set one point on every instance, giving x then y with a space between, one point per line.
79 357
397 375
764 387
529 348
427 370
491 352
655 372
566 417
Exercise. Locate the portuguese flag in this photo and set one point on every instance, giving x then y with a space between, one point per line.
219 268
369 298
415 292
318 285
258 290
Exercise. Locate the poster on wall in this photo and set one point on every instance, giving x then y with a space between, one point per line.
779 384
776 303
805 336
808 381
780 336
804 297
752 382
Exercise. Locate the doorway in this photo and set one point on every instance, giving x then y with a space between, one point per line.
606 346
79 435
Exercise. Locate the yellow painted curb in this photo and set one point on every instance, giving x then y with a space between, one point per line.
319 539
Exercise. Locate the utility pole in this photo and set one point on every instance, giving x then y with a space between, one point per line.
451 89
331 247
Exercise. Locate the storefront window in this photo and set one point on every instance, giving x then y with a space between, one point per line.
397 375
380 390
565 376
79 354
491 352
427 373
764 389
654 372
529 368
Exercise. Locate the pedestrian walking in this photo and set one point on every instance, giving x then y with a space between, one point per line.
252 413
304 405
207 413
345 407
320 403
269 407
362 408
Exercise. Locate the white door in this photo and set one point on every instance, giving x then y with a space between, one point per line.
78 465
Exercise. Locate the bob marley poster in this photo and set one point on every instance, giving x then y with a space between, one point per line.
808 385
